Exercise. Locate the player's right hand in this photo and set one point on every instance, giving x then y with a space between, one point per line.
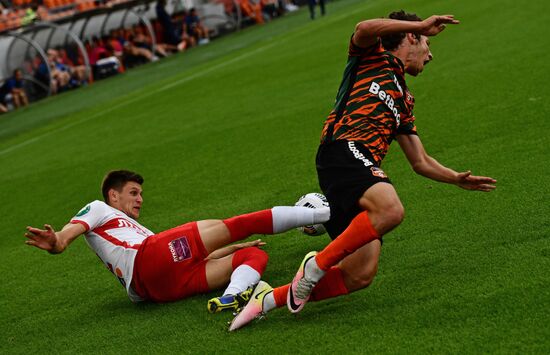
44 239
435 24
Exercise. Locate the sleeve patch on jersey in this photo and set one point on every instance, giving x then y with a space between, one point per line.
180 250
83 211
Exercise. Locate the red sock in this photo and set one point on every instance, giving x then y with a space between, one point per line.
245 225
359 232
254 257
331 285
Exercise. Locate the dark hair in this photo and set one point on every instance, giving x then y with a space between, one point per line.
116 179
391 42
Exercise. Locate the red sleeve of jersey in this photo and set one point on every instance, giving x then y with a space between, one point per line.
75 221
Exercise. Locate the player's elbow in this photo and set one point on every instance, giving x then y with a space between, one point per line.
420 166
364 29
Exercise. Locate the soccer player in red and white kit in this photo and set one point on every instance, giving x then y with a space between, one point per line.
189 259
373 107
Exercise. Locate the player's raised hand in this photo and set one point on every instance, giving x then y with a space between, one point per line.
435 24
468 181
44 239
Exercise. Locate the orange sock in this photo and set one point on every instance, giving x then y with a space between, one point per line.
359 232
331 285
279 294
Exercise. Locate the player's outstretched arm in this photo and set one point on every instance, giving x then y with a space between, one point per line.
427 166
50 240
367 32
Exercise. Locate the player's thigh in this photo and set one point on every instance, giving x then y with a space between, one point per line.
214 234
379 196
359 268
383 205
218 272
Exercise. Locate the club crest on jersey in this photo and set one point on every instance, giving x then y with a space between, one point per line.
378 172
83 211
409 98
180 250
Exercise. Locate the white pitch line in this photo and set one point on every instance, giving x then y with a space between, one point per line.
137 98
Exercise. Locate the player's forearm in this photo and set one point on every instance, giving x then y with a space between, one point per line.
432 169
66 236
59 245
383 27
220 253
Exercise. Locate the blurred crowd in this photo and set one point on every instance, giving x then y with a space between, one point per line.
17 13
113 53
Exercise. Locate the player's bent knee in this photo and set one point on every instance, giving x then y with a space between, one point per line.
254 257
395 215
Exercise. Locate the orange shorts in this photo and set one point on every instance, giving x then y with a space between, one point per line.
170 266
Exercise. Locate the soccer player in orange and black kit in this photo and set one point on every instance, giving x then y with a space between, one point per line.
373 107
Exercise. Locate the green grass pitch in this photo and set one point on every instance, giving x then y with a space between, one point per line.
233 127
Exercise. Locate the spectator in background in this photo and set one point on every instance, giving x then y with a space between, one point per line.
312 3
141 40
14 86
134 50
77 71
116 46
187 40
193 27
3 93
69 76
251 10
271 9
169 33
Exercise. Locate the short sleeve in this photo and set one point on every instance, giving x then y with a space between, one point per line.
355 51
92 215
407 126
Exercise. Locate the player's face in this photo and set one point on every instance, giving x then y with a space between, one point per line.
128 200
419 56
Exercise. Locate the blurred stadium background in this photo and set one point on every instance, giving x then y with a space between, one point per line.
233 126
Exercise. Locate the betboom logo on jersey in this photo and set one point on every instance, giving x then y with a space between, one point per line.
358 155
387 99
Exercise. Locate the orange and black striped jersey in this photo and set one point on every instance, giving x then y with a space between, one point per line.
373 104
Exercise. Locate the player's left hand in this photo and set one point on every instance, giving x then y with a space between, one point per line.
468 181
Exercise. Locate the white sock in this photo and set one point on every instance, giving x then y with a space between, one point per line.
269 302
242 278
314 272
289 217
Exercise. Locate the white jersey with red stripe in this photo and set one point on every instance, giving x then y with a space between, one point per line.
115 238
